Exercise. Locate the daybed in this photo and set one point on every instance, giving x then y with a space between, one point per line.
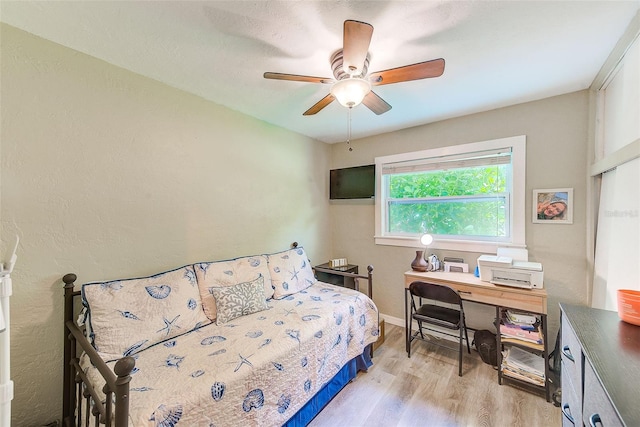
251 341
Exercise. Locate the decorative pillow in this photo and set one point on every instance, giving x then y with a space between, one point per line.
230 273
290 272
239 300
127 316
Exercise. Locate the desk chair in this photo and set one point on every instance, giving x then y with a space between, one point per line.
450 316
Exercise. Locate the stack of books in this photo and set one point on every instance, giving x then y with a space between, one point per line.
525 366
521 328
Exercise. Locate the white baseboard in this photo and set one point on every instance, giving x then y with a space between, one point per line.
392 320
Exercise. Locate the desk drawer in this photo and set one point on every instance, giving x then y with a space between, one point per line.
522 300
571 353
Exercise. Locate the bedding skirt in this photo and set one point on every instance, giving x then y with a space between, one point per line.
313 407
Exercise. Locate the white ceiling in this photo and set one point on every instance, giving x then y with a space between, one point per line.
497 53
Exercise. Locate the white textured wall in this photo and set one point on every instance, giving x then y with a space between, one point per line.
108 174
556 130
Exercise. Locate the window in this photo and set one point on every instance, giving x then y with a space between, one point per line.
469 197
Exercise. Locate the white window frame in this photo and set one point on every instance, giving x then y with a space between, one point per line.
517 221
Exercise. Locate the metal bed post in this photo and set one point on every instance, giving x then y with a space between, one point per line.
68 370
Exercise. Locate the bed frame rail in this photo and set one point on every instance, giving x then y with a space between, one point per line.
79 396
368 277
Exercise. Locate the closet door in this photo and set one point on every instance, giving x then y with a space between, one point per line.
616 167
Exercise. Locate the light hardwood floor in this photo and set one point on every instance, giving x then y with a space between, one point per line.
425 390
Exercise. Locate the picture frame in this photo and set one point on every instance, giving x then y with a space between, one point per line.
553 206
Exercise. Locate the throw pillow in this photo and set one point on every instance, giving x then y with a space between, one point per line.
290 272
127 316
239 300
230 273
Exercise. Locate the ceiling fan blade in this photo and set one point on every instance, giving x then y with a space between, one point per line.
355 46
319 105
376 104
421 70
298 78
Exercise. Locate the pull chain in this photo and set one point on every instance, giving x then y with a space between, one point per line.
349 129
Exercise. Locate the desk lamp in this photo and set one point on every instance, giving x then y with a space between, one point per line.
419 263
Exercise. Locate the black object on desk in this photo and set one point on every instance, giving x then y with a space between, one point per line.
336 279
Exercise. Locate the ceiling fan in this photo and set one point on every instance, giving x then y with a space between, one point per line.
350 65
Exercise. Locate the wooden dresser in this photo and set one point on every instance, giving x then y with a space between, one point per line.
600 368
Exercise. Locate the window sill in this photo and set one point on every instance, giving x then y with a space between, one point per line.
449 245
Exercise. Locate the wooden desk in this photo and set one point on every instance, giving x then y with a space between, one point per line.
473 289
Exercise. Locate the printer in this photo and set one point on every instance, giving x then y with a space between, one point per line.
511 268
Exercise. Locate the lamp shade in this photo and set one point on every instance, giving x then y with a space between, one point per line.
350 92
426 239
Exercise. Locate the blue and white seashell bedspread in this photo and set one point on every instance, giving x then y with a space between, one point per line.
255 370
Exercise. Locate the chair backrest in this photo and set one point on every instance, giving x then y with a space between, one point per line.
432 291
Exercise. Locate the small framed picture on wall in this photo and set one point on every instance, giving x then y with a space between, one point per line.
553 206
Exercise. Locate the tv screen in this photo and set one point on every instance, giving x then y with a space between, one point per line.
352 183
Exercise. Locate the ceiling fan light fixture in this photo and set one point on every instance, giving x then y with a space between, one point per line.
350 92
350 66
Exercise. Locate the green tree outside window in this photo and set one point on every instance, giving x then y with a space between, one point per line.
464 202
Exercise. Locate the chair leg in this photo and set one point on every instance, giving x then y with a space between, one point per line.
460 354
466 336
409 339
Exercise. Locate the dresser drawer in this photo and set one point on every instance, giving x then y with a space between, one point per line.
571 353
571 402
598 410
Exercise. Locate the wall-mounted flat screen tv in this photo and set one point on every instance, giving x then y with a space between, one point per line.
352 183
